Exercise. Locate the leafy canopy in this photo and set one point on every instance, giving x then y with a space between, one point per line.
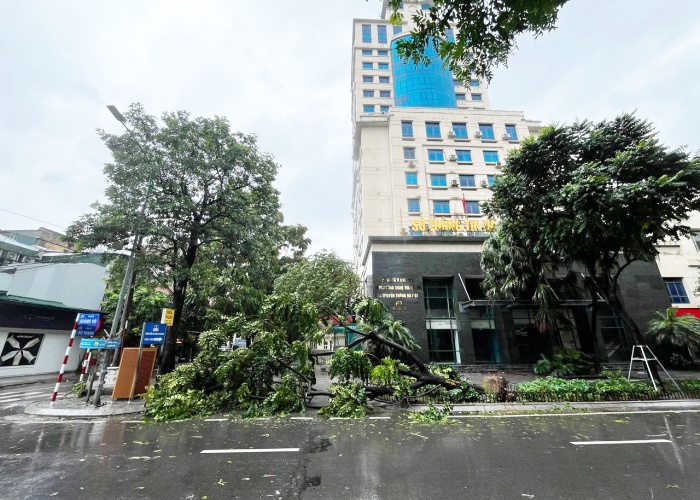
485 35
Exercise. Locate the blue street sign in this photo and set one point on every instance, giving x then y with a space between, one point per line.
154 333
92 343
113 344
89 319
155 328
239 342
85 331
153 339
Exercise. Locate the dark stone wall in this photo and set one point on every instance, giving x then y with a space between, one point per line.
18 315
401 273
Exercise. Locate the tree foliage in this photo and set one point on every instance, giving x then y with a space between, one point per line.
485 35
193 190
593 198
682 331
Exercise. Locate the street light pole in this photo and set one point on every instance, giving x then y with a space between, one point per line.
119 311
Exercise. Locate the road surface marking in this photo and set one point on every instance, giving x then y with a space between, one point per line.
301 418
133 422
253 450
631 441
21 395
379 418
341 418
577 414
15 393
216 419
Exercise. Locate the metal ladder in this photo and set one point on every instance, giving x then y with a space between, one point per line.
646 355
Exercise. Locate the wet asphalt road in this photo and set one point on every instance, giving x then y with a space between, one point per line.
474 458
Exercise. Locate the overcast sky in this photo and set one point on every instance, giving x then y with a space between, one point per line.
281 70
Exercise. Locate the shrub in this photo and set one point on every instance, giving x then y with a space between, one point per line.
565 362
556 387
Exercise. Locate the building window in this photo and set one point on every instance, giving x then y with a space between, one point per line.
383 53
425 6
441 206
381 34
383 66
512 134
384 109
436 155
366 33
438 180
411 179
367 79
409 153
476 97
676 291
460 130
406 129
450 34
486 130
490 179
385 93
467 181
368 93
397 30
414 205
383 79
696 240
491 156
456 82
473 208
461 97
366 52
368 108
464 155
440 305
473 83
367 65
432 130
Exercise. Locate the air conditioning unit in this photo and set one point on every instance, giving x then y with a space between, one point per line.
455 183
477 134
484 183
498 164
453 157
411 163
450 134
506 137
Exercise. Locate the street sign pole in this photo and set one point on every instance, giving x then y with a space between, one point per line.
138 364
65 359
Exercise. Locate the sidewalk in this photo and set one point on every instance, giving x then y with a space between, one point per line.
76 407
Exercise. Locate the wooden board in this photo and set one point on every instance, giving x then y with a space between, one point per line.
127 367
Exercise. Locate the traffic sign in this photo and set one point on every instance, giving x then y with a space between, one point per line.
155 328
113 344
89 319
85 331
93 343
168 316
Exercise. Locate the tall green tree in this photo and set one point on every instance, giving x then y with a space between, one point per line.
324 280
485 36
202 186
596 198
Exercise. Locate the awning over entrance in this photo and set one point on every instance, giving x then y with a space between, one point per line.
695 311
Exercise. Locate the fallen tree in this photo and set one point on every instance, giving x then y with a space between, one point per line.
274 375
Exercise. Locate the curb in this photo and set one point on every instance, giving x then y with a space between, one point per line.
106 410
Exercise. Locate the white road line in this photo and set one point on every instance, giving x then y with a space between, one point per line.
301 418
216 419
133 422
631 441
16 397
11 393
252 450
341 418
578 414
379 418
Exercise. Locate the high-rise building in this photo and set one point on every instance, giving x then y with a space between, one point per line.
426 149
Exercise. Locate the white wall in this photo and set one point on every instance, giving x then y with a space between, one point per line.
76 285
50 356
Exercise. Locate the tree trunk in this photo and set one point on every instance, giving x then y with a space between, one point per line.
592 289
169 349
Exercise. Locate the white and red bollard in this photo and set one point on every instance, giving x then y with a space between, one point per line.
65 359
86 365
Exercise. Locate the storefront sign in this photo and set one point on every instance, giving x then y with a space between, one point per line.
457 225
396 288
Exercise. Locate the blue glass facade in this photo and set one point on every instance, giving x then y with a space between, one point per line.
422 86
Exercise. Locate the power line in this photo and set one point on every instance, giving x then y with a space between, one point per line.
32 218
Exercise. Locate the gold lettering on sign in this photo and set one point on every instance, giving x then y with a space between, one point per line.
396 288
455 225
